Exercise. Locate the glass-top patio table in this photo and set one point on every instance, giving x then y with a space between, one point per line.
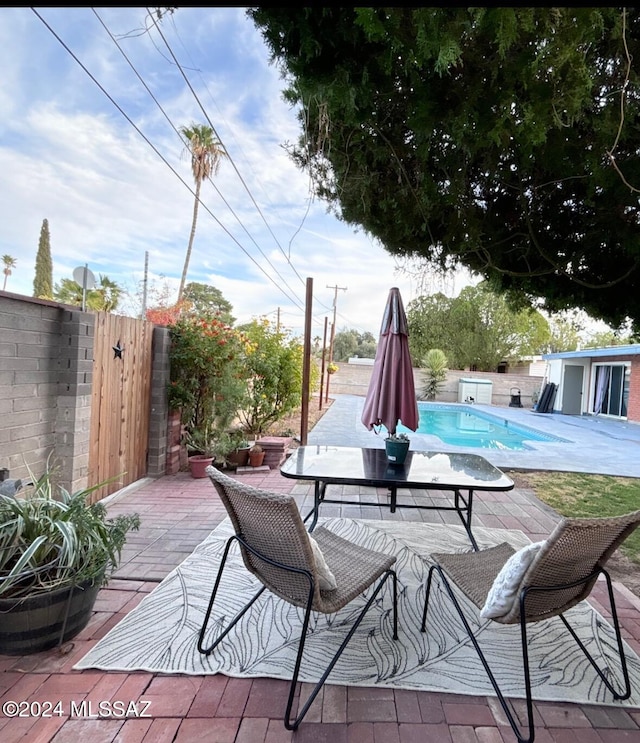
423 470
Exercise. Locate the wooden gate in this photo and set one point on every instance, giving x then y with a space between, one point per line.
121 399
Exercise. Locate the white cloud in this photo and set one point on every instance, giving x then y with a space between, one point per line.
69 155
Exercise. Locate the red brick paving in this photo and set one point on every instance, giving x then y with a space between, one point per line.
178 512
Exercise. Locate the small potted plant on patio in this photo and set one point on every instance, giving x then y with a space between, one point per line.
238 452
56 551
397 446
256 455
202 447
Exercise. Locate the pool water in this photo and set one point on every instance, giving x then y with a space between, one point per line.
462 425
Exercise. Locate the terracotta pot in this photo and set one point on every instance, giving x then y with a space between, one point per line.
198 463
256 458
239 457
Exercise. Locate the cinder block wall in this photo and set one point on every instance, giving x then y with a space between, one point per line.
157 458
32 352
46 369
353 379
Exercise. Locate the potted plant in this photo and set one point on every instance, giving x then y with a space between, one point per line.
256 455
202 445
56 551
397 446
238 453
332 368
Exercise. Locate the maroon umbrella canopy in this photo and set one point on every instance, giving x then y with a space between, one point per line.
392 395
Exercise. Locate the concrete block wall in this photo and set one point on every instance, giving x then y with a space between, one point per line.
46 368
73 397
158 452
353 379
30 334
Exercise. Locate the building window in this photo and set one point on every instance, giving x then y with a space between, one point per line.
610 385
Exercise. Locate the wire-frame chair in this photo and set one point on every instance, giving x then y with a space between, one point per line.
276 548
562 574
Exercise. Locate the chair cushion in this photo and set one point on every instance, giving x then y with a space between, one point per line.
504 590
326 578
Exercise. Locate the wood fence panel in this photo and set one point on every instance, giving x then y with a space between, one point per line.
121 399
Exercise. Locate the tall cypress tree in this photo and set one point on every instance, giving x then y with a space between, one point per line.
43 280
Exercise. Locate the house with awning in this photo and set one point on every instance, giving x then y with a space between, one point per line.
596 381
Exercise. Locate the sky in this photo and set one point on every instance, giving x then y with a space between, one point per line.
93 100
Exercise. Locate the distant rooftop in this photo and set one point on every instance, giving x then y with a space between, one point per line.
596 352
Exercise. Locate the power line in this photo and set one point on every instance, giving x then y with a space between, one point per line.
295 300
179 67
197 99
164 160
155 100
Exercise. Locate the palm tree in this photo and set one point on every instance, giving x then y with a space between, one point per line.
206 152
104 298
9 263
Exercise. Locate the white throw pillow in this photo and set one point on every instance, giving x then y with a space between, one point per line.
502 593
326 578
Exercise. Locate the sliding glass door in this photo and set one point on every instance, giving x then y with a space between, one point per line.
610 389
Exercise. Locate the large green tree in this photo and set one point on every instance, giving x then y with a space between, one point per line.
204 299
477 329
503 139
43 279
206 152
348 343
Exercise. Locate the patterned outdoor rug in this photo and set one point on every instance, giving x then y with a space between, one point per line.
160 635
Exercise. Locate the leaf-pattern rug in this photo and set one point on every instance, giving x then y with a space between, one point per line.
160 635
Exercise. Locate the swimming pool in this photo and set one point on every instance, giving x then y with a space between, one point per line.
463 425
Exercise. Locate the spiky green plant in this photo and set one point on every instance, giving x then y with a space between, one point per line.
51 539
435 364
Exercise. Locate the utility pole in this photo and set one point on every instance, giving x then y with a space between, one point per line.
306 366
324 354
333 327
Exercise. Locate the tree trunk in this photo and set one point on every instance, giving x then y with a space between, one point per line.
187 257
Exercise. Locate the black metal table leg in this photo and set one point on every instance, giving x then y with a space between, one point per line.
318 496
465 513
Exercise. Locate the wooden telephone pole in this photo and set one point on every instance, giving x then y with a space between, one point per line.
333 329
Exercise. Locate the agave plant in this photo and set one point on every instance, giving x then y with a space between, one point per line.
51 539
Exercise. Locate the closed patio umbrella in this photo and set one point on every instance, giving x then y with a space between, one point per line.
391 396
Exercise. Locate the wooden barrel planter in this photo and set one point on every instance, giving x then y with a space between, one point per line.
43 621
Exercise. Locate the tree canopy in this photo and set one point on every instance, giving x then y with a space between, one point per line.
477 329
204 299
348 343
501 139
103 298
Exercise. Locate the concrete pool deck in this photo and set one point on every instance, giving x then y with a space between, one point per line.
592 444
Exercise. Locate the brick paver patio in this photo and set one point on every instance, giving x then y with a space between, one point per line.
177 513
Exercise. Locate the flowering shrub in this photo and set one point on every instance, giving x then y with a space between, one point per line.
274 367
207 377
